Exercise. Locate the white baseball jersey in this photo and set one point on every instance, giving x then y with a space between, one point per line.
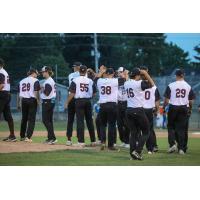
48 83
82 87
134 93
179 93
121 93
149 98
7 80
108 89
27 87
72 76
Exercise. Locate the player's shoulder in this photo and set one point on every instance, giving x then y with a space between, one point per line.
3 71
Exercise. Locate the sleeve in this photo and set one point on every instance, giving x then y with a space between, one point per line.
18 88
36 86
2 79
95 80
47 89
145 85
157 95
72 87
191 95
121 81
94 87
167 93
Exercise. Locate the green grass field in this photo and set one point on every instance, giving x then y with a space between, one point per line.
95 157
101 158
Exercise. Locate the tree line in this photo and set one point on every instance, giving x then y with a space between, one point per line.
24 50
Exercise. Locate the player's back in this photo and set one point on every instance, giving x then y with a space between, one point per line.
26 87
134 93
84 87
108 89
179 92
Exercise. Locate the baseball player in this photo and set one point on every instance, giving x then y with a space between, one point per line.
121 112
136 117
178 95
28 98
71 106
108 91
5 99
83 89
151 102
48 97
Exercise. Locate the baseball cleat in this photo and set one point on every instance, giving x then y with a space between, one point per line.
93 144
69 143
10 139
127 146
46 141
172 149
150 152
136 156
103 146
22 139
122 145
51 142
28 140
181 152
113 148
155 149
98 142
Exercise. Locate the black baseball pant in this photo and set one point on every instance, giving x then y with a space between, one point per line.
139 128
84 110
97 122
5 99
29 110
177 122
151 141
108 115
70 118
122 123
47 118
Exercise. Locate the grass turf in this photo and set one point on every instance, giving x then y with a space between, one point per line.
102 158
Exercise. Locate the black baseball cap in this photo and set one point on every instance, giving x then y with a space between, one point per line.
179 72
31 71
134 72
109 71
76 64
83 69
46 69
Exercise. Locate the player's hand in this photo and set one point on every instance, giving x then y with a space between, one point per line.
143 72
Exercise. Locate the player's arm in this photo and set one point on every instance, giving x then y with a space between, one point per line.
148 78
102 70
167 96
94 88
157 100
36 91
72 90
191 98
18 98
2 81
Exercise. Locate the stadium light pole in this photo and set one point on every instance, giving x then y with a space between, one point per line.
96 53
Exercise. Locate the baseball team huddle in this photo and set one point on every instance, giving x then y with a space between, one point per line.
128 101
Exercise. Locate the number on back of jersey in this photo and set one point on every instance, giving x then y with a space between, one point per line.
106 90
84 87
180 93
130 93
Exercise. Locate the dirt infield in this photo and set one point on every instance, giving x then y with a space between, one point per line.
13 147
17 147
